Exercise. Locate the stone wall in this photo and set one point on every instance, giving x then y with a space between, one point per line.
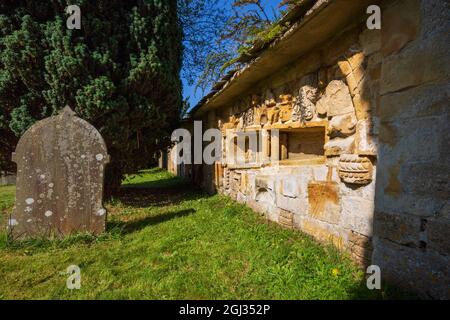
412 206
323 105
364 138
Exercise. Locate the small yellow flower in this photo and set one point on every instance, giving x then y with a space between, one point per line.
335 272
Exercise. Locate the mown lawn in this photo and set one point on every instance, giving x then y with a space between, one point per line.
166 240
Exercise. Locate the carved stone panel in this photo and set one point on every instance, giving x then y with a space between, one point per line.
304 108
60 167
336 100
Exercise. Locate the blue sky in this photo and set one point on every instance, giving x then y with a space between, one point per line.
189 91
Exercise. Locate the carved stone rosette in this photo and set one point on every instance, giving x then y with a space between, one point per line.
355 169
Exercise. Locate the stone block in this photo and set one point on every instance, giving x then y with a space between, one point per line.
338 46
360 240
357 215
423 272
289 186
438 235
323 198
322 233
422 101
370 41
366 192
427 179
293 205
431 64
401 25
399 228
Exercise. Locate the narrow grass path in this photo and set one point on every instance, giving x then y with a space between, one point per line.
166 240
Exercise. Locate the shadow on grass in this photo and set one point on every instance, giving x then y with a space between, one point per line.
137 225
156 197
165 191
163 183
387 292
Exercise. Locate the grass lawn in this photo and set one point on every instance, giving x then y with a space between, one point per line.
166 240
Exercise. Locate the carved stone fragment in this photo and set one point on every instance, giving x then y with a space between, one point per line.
273 115
355 169
249 117
336 100
342 126
304 108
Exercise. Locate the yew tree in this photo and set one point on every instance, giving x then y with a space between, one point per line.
120 72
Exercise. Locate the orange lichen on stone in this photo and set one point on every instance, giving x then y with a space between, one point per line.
322 197
394 187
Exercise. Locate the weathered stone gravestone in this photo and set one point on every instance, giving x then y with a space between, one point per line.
60 167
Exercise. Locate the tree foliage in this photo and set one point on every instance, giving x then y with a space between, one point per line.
247 22
120 72
202 22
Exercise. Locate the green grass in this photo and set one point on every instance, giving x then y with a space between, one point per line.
166 240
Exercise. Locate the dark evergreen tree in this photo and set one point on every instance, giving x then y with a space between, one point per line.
120 72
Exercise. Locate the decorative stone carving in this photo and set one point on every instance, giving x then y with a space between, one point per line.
261 117
336 100
285 108
269 100
273 115
231 124
342 126
60 167
304 107
338 146
249 117
355 169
